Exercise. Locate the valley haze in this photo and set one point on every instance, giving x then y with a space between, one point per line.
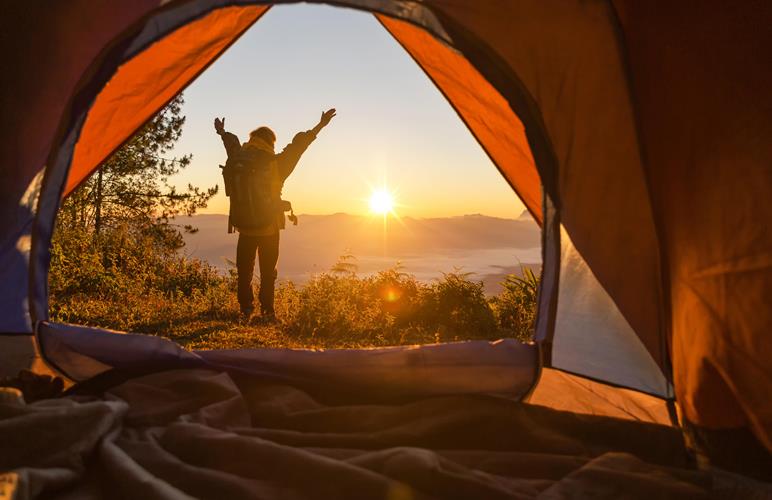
488 247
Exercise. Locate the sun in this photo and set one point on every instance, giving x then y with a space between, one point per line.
381 202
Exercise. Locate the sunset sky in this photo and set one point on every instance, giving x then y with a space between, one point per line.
393 126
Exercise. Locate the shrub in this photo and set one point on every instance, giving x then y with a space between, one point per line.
126 280
458 309
516 306
340 308
399 294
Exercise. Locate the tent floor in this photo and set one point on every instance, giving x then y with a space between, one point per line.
206 434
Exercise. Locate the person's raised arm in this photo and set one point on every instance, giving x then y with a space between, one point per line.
230 141
290 155
323 121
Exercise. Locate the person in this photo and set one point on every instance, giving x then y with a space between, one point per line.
264 240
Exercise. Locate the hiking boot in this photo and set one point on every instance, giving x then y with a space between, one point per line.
245 315
267 319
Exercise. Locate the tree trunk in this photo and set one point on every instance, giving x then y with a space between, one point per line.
98 204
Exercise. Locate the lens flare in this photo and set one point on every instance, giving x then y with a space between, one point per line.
391 295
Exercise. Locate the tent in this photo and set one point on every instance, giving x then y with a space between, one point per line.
636 133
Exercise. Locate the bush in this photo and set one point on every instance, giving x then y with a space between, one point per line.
457 308
126 280
516 306
332 307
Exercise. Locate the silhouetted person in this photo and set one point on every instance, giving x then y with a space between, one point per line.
264 239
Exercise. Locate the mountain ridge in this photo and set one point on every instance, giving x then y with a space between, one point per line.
489 247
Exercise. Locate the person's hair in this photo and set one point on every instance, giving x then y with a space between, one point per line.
263 133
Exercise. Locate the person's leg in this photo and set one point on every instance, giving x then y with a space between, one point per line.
245 267
268 255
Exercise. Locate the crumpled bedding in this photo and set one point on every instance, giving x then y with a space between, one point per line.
197 433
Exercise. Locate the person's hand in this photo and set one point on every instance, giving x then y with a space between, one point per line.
326 117
219 125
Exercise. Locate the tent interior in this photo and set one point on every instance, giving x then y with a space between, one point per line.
644 158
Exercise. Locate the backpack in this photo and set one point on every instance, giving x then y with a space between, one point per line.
247 179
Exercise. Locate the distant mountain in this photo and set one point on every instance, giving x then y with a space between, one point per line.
490 247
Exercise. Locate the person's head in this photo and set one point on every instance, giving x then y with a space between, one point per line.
263 133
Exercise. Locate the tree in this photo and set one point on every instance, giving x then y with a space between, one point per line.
132 187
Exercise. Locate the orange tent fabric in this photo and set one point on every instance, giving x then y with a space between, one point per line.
45 64
563 391
144 85
568 57
658 114
487 114
702 79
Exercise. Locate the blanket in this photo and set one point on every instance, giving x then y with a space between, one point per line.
198 433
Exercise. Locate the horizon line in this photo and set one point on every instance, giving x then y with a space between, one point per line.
522 216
